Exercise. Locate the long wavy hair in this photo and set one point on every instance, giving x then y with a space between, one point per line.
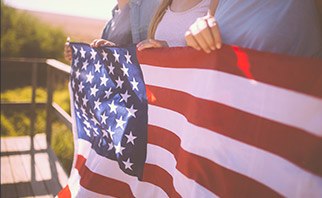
157 18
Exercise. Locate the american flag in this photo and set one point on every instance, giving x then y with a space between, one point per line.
233 123
110 105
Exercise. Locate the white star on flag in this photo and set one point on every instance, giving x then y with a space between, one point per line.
104 117
97 104
95 121
87 132
97 66
112 107
128 164
91 113
88 125
108 93
120 123
83 109
104 134
128 57
93 90
81 87
111 69
84 114
125 70
76 62
89 77
125 96
85 100
96 133
73 83
119 83
104 55
119 149
93 54
131 111
85 64
83 52
75 50
78 115
103 80
110 132
130 138
77 74
110 146
116 56
76 97
134 84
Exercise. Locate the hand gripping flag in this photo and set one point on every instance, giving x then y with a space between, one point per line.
175 122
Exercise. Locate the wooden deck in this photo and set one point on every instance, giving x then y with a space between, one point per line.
29 168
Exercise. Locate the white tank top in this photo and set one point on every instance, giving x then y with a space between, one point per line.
173 25
281 26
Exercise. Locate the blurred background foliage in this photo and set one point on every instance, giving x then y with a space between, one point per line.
23 35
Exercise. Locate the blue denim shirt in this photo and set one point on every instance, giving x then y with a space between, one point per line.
288 26
141 13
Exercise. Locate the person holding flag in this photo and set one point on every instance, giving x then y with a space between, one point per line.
129 25
290 27
177 122
170 22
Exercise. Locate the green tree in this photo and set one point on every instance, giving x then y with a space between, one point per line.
22 35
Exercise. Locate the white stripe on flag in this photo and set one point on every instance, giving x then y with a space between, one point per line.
74 182
164 160
254 97
158 156
110 169
77 190
246 159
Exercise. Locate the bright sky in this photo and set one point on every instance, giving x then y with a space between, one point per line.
98 9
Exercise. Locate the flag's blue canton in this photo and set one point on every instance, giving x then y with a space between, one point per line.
110 103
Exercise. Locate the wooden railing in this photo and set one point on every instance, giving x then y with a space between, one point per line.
54 68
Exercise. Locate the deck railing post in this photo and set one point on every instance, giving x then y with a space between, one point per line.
33 99
33 118
49 104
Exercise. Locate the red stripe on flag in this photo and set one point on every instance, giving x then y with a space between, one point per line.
100 184
159 177
217 179
302 148
65 193
279 70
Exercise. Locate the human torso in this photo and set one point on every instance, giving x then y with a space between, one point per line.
173 25
137 22
288 26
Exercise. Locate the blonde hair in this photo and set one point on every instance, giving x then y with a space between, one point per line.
157 18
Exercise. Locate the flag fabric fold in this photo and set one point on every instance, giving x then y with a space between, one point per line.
175 122
110 105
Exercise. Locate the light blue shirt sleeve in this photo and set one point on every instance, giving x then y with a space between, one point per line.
107 27
141 13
